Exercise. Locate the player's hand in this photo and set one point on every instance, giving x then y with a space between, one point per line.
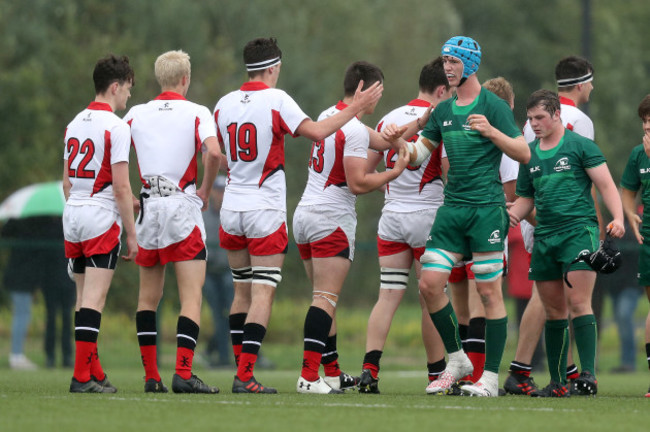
392 133
131 248
205 197
136 205
368 97
616 228
514 219
425 117
403 158
635 223
479 123
646 143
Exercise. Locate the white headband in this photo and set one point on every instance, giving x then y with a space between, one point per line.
566 82
262 65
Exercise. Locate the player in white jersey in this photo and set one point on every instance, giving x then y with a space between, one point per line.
411 202
99 203
574 76
324 226
251 124
168 133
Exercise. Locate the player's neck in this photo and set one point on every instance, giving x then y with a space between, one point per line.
107 99
569 95
428 97
552 140
468 91
348 101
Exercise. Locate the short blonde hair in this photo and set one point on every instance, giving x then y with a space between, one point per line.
170 68
502 88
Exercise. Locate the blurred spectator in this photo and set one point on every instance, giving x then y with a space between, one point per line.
37 260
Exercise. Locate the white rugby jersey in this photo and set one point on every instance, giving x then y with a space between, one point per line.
419 187
509 169
95 140
572 119
326 183
251 125
167 134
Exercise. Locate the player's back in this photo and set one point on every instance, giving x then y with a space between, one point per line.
251 124
94 140
326 183
417 187
167 134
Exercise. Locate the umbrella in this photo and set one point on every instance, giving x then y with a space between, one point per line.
39 199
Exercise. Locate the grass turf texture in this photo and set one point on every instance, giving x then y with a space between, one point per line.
31 401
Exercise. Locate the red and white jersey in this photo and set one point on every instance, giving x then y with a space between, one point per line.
251 125
509 169
326 183
95 140
572 119
419 187
167 133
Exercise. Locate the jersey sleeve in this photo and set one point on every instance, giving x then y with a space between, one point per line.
631 179
206 127
120 143
502 118
356 143
525 186
291 114
591 154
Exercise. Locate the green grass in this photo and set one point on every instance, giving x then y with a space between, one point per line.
40 401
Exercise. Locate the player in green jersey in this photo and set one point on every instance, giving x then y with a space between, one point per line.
477 127
636 178
557 182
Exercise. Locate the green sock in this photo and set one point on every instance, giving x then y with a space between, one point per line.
447 325
586 335
556 334
496 333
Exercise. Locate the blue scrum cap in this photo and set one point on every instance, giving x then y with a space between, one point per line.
467 50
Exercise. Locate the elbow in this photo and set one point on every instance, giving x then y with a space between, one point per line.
356 189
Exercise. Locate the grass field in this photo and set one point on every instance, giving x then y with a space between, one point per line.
35 401
39 401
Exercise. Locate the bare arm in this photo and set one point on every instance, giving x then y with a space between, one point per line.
124 200
319 130
360 181
212 161
509 190
516 148
66 181
628 197
602 178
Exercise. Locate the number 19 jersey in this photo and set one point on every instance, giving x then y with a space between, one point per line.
251 125
95 140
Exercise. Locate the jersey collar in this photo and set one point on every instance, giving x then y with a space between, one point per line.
253 86
419 103
100 106
566 101
169 96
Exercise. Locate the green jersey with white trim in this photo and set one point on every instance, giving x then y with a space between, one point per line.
557 180
473 177
637 177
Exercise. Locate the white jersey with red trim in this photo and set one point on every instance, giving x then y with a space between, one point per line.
167 133
572 119
95 140
420 187
326 183
251 125
508 169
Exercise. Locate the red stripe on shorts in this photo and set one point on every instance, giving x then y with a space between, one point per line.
99 245
184 250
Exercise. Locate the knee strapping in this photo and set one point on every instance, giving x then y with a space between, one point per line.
243 274
488 267
394 278
438 260
330 297
267 275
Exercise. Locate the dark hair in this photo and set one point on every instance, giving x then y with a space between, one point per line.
433 76
547 99
644 107
572 67
359 71
261 49
111 69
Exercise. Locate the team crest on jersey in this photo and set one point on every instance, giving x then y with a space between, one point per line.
411 112
562 165
88 117
165 107
446 123
466 126
245 99
495 237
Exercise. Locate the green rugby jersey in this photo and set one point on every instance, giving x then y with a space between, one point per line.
557 180
637 177
473 178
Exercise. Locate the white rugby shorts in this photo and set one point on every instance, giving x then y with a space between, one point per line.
90 230
324 233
